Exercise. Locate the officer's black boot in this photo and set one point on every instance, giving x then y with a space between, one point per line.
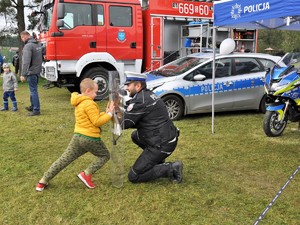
175 171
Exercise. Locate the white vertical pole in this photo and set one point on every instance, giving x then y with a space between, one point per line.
213 83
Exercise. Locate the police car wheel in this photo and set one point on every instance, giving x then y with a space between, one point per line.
174 105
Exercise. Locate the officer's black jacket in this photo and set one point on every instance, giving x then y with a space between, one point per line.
148 113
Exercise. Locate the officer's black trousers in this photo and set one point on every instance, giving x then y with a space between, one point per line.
148 165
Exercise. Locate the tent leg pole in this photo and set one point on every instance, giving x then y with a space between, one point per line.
213 83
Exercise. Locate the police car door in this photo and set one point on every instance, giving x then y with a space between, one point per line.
201 91
249 80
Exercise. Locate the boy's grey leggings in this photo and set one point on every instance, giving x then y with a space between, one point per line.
78 146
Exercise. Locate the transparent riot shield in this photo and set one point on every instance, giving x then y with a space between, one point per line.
117 143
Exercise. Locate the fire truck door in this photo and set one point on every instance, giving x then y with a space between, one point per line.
121 31
78 32
156 42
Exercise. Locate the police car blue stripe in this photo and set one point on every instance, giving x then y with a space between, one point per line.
220 87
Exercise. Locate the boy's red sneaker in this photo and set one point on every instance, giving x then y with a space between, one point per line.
40 186
86 179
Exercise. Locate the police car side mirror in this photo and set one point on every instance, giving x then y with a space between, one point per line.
199 77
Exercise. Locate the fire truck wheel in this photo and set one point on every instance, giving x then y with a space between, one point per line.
100 76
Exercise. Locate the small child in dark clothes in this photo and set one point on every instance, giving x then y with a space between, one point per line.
10 85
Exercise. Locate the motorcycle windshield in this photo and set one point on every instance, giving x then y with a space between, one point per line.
289 78
277 72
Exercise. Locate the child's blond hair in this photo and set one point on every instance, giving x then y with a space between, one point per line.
87 83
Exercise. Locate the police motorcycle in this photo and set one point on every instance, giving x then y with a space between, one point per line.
282 86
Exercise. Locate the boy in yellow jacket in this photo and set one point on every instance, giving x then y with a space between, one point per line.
87 135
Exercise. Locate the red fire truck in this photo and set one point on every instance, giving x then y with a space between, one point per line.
89 38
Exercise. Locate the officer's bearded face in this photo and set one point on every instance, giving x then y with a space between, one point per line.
132 89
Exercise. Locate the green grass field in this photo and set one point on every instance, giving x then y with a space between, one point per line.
229 177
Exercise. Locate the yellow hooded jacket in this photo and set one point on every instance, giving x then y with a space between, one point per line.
88 116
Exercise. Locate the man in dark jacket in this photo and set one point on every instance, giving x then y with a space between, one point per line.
155 133
15 62
1 63
32 60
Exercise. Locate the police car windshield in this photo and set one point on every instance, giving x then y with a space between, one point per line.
179 66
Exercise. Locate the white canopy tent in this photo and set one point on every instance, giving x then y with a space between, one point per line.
253 14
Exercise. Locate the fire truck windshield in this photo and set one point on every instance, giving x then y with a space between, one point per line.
46 17
79 15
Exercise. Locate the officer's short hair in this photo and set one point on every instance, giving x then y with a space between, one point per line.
143 83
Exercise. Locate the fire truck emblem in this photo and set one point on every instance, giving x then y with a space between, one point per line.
121 36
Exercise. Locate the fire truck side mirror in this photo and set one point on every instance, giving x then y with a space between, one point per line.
61 11
60 23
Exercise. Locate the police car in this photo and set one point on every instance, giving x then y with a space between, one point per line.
185 85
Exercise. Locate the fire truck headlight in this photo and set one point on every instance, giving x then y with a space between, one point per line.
50 69
50 73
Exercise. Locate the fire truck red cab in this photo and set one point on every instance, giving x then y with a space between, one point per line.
90 38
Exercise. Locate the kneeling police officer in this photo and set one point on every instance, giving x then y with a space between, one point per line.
155 133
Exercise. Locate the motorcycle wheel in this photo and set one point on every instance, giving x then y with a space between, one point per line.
272 126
